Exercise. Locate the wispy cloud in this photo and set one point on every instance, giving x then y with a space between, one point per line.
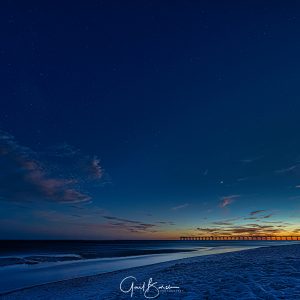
286 170
227 200
226 222
255 212
180 206
250 159
258 215
25 176
222 223
166 223
95 168
267 216
130 225
247 229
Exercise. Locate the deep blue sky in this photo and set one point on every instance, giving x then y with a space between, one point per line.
149 119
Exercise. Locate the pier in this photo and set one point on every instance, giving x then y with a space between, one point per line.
241 238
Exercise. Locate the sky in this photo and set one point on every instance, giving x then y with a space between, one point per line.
149 119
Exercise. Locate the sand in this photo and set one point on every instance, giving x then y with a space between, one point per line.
262 273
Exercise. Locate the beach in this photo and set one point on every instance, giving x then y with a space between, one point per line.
261 273
30 264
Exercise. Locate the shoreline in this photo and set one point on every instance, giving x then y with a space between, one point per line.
18 277
250 271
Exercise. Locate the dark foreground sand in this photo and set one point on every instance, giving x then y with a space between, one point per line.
263 273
